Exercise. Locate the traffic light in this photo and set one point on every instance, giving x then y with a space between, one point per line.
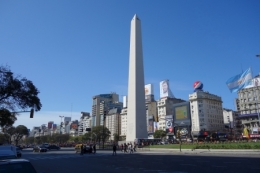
31 113
105 113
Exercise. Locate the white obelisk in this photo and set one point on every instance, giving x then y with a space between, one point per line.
136 110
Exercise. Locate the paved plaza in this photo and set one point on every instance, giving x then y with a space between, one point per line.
67 161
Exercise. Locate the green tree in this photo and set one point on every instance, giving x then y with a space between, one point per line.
116 137
101 134
8 133
16 94
20 131
159 134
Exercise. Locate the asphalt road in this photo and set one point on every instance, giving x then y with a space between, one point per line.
67 161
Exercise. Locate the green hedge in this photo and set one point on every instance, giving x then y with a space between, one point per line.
228 146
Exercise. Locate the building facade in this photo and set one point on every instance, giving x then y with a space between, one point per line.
206 112
84 123
247 105
123 115
113 122
164 106
102 103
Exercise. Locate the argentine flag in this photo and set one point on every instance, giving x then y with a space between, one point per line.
240 81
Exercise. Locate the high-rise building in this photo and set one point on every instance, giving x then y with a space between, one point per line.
136 116
84 123
101 103
113 122
67 120
206 112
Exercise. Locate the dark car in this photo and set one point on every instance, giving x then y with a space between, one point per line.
18 152
217 136
53 147
16 165
86 148
39 149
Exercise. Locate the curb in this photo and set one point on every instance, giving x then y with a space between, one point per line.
199 151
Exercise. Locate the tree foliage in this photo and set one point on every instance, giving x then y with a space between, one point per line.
159 134
20 131
16 94
101 133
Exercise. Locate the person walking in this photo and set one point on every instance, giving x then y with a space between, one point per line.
114 149
134 147
94 149
122 147
130 147
125 147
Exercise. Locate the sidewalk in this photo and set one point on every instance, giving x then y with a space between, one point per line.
197 151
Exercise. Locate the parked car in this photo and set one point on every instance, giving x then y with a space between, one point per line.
53 147
16 165
40 149
18 152
8 152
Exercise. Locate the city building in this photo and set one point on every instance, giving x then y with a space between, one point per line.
101 103
164 106
228 118
123 130
151 116
113 122
34 131
84 124
206 112
247 104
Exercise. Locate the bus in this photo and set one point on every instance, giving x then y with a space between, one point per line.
140 142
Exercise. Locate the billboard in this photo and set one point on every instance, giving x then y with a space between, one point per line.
50 123
54 126
148 89
164 87
181 113
165 90
150 124
169 123
74 126
155 125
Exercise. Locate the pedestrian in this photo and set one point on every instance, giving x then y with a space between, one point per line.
122 147
114 149
81 149
94 148
130 147
134 147
125 147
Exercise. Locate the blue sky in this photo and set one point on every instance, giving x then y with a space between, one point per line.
73 50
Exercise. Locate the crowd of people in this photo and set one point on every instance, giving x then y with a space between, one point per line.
128 148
